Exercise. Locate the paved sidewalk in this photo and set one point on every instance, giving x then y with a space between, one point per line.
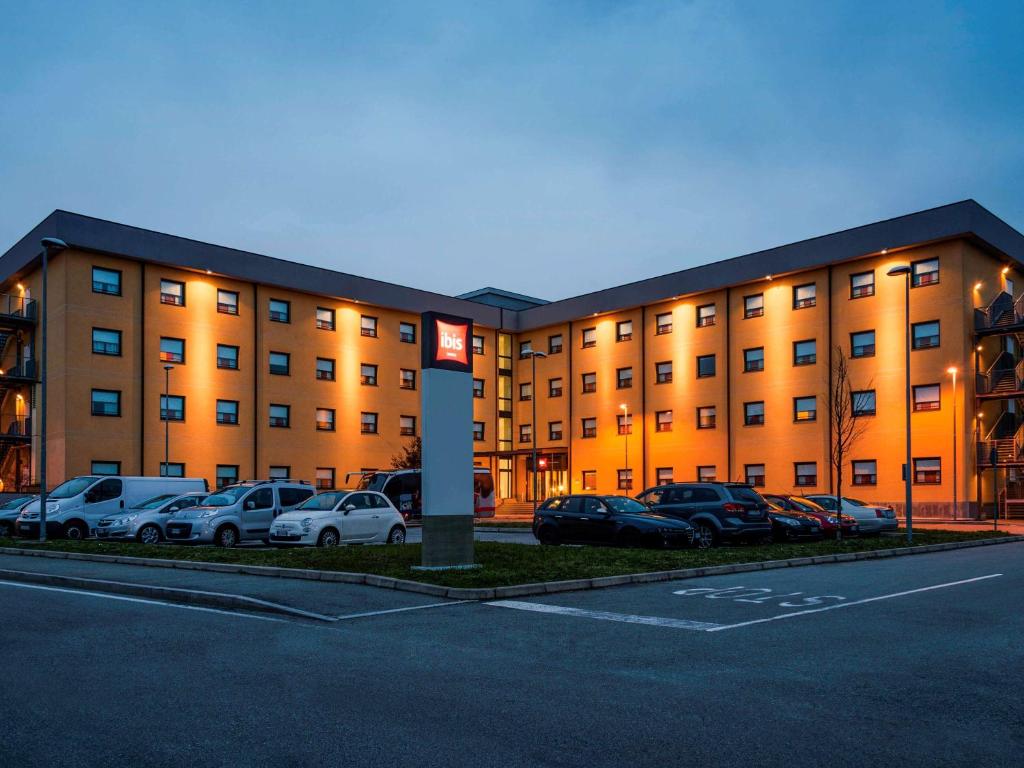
1015 527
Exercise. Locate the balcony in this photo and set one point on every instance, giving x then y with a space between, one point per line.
16 431
1003 446
23 373
1003 315
16 311
1004 379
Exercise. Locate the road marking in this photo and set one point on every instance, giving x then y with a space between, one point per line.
141 600
626 618
401 610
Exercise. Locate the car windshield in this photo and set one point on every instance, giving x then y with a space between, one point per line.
323 501
14 503
156 501
855 502
72 487
624 504
225 497
805 505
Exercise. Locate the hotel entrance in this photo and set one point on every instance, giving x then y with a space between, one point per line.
552 475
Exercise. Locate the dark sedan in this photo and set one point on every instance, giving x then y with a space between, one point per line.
791 525
828 519
609 520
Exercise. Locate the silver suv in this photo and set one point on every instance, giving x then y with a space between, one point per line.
235 513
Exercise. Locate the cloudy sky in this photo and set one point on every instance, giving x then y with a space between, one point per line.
546 148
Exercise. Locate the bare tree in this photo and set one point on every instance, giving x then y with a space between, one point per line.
411 456
847 429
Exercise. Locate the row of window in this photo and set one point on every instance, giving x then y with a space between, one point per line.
227 474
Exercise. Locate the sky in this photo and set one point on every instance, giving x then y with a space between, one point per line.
548 148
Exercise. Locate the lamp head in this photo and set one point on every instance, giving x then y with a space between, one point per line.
53 245
899 269
952 370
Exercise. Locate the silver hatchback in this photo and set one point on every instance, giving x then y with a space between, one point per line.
146 522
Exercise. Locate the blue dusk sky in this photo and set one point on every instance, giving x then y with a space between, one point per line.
545 148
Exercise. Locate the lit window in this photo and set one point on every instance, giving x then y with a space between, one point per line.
805 352
555 344
754 474
805 296
806 474
106 281
407 426
862 344
705 315
753 306
925 272
368 326
705 366
227 302
280 311
172 350
865 472
368 375
926 397
805 408
325 419
554 430
407 333
589 337
863 402
325 369
172 292
753 413
590 427
862 284
280 363
663 421
624 378
706 417
663 475
624 330
625 479
172 408
663 372
707 474
926 335
106 402
525 433
227 411
753 360
927 471
227 357
554 387
663 323
625 423
589 480
368 423
106 341
325 319
325 479
526 391
589 382
407 378
280 415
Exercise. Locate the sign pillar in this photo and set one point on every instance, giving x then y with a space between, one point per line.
446 418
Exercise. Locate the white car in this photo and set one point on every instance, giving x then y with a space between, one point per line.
340 517
871 519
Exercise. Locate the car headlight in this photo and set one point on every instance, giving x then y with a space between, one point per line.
208 513
833 519
306 523
128 518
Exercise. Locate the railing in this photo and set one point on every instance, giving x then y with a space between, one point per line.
1002 366
17 306
19 427
1003 310
26 369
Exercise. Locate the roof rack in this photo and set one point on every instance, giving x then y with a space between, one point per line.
275 480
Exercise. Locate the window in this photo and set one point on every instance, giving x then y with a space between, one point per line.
624 378
106 281
526 391
554 431
325 479
368 375
806 474
407 426
590 427
706 474
625 479
525 433
753 306
925 272
926 335
753 413
227 474
862 284
280 415
805 408
478 431
280 473
325 369
865 472
663 475
525 349
227 411
106 467
705 366
368 423
227 302
863 402
663 421
280 363
663 323
478 345
555 344
753 360
805 296
625 423
172 292
928 471
706 415
705 315
554 387
589 382
280 311
862 344
368 326
172 408
172 350
227 357
589 337
624 330
407 333
325 419
478 388
805 352
325 319
754 474
406 378
106 402
589 480
926 397
106 341
663 372
174 469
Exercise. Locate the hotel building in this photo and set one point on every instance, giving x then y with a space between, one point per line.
253 366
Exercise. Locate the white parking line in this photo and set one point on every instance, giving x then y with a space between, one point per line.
626 618
401 610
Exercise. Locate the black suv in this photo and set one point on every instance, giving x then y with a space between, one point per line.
717 511
613 520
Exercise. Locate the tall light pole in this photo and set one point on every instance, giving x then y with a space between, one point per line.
533 419
625 433
51 247
952 370
904 271
167 420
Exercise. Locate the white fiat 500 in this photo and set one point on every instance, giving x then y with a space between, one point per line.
340 517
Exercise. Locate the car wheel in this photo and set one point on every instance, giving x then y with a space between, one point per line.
149 534
75 531
6 530
705 536
226 537
630 537
397 535
548 536
328 538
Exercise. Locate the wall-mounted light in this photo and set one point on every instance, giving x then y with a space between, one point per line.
979 347
1005 270
768 277
209 271
977 286
21 287
885 251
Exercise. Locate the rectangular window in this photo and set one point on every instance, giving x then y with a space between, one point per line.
753 413
663 475
555 344
805 296
663 323
325 479
862 344
753 360
589 337
707 474
407 378
368 423
554 387
863 402
106 467
589 480
705 366
227 411
625 423
280 473
706 417
174 469
924 272
806 474
368 375
407 333
324 419
625 479
478 431
407 426
753 306
663 372
624 330
478 345
554 431
805 408
368 326
478 388
280 363
280 415
106 341
624 378
926 335
106 402
926 397
862 284
805 352
227 357
280 311
705 315
172 350
525 433
526 391
663 421
927 471
172 408
754 474
227 302
865 472
172 292
325 319
227 474
589 382
325 369
590 427
525 349
106 281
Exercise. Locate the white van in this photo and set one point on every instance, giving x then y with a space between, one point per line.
73 508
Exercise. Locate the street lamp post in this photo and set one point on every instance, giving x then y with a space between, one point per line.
167 420
904 271
952 370
533 419
51 246
625 433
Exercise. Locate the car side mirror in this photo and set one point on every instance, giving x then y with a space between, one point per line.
174 509
349 508
90 497
250 505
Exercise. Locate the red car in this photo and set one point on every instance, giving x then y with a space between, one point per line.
800 504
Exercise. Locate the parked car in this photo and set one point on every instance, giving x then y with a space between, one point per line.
717 511
74 507
145 522
236 513
828 520
793 525
404 488
9 512
871 520
340 517
612 520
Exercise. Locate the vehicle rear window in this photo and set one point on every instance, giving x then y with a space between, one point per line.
292 496
739 493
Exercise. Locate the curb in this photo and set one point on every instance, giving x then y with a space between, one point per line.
492 593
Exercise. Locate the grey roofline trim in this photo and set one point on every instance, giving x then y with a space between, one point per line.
501 292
